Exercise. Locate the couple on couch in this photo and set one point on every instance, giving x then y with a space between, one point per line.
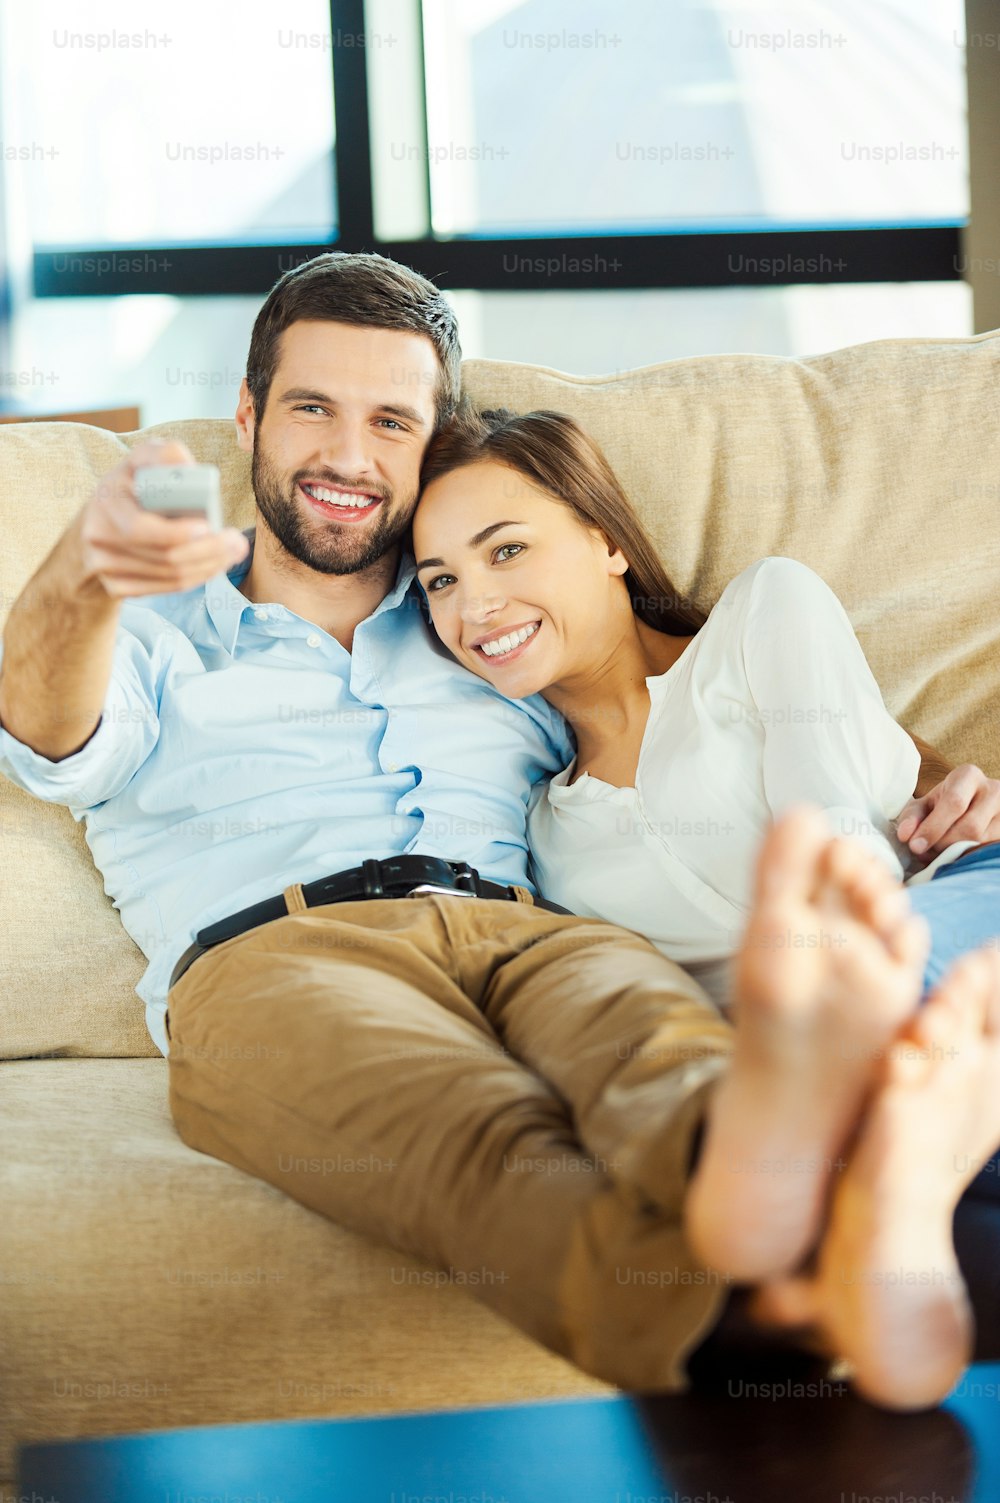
362 997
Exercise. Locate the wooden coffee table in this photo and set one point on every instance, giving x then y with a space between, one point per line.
813 1444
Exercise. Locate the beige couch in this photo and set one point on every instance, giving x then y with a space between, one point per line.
145 1285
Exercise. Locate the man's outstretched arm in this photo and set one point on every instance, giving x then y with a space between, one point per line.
59 639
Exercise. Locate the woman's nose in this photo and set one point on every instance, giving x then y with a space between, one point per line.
480 607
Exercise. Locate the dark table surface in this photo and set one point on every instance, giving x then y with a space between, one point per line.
793 1441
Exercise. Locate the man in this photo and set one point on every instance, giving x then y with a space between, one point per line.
271 752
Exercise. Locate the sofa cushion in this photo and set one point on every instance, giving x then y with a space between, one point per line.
145 1285
877 465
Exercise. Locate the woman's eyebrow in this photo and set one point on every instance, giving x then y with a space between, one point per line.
474 542
488 532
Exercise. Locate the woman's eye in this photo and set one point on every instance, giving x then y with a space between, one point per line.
439 582
505 548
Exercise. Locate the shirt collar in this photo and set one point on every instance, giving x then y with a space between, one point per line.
226 604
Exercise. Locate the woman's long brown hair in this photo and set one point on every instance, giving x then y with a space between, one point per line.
553 452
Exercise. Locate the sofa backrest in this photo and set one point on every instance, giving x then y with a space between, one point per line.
877 465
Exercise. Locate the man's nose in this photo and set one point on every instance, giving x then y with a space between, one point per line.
346 450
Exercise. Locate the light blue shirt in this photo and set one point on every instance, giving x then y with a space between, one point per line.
242 748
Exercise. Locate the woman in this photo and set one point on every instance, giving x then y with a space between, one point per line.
692 733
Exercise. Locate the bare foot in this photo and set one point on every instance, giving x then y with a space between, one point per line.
831 964
887 1293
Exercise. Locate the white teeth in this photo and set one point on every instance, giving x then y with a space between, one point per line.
337 498
501 645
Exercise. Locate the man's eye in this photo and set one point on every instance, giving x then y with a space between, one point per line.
439 582
391 423
504 547
309 407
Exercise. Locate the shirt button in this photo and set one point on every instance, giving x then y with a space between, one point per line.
393 767
313 640
260 615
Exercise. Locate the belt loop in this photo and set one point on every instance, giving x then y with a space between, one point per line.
294 900
372 878
522 895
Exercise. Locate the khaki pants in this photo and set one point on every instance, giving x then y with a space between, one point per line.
509 1093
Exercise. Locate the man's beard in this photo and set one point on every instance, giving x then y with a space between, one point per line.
344 548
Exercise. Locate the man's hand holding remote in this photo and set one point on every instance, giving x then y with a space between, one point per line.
59 639
127 550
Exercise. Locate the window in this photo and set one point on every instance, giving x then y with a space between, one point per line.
192 123
570 116
785 176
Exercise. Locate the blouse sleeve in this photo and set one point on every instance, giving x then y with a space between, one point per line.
828 738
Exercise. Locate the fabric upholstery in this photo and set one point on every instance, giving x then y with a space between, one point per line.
144 1285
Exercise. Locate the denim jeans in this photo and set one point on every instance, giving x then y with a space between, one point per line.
961 904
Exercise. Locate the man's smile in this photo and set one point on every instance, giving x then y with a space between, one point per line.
344 504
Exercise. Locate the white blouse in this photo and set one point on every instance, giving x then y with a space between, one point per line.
771 704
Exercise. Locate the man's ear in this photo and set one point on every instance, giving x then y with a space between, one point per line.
245 418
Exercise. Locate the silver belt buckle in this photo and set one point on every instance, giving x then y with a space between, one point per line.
449 892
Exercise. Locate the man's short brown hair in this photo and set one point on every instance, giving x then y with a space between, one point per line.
360 289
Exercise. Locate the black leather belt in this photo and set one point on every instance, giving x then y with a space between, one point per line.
397 877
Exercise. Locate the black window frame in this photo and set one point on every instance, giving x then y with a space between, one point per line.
609 262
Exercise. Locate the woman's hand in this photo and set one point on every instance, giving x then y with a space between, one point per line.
963 806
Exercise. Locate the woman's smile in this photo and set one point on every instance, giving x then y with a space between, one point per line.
505 643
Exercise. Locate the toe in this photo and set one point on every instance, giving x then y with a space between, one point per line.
838 874
992 965
854 878
877 891
928 1038
786 1302
967 989
788 858
909 940
890 905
